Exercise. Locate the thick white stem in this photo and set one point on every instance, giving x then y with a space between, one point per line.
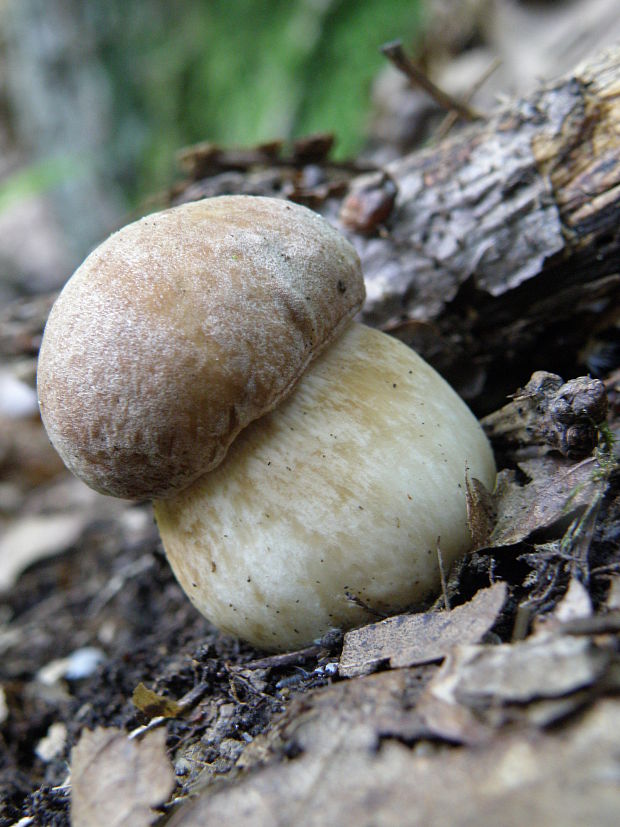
343 490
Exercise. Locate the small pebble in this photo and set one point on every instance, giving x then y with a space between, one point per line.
17 399
78 665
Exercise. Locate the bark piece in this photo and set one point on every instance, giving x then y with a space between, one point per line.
504 236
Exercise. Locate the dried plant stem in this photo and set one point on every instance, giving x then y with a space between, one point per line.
396 55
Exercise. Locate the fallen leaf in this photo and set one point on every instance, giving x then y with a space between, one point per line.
540 667
357 713
537 681
116 781
535 778
481 512
559 490
34 538
153 705
575 603
406 640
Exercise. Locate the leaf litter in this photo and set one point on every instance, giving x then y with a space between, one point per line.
449 716
495 673
334 751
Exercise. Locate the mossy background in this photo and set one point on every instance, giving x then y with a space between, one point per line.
229 71
241 71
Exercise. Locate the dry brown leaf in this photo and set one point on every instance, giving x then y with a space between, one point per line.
153 705
559 490
455 722
356 713
534 778
406 640
537 681
575 603
35 537
540 667
117 781
481 512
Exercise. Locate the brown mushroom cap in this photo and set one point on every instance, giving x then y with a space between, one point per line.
181 329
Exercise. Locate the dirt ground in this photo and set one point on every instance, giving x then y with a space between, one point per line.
100 614
497 704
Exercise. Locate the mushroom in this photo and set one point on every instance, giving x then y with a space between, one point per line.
302 465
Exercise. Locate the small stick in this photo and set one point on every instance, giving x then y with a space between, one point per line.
285 659
451 118
522 622
359 602
442 574
396 54
596 625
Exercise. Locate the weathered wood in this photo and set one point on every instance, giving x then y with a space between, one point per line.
502 253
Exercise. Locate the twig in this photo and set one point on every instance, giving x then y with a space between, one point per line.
451 118
396 54
596 625
522 622
442 575
357 601
286 659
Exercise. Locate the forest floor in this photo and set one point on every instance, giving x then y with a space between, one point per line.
498 704
95 633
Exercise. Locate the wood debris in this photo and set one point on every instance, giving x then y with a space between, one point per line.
408 640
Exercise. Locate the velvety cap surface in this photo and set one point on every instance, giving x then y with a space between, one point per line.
181 329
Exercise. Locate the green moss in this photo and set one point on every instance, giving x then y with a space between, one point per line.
237 72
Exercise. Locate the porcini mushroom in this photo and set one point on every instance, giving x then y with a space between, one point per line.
230 319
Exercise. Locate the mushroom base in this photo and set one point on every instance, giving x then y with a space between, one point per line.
331 508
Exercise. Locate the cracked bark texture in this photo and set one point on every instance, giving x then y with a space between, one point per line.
501 255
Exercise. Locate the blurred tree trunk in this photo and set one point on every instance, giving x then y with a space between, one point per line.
59 97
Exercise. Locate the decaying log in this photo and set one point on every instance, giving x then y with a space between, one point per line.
502 253
494 253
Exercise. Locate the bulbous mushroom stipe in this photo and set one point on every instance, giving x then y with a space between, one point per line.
205 357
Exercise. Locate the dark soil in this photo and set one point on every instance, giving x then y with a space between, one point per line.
158 639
